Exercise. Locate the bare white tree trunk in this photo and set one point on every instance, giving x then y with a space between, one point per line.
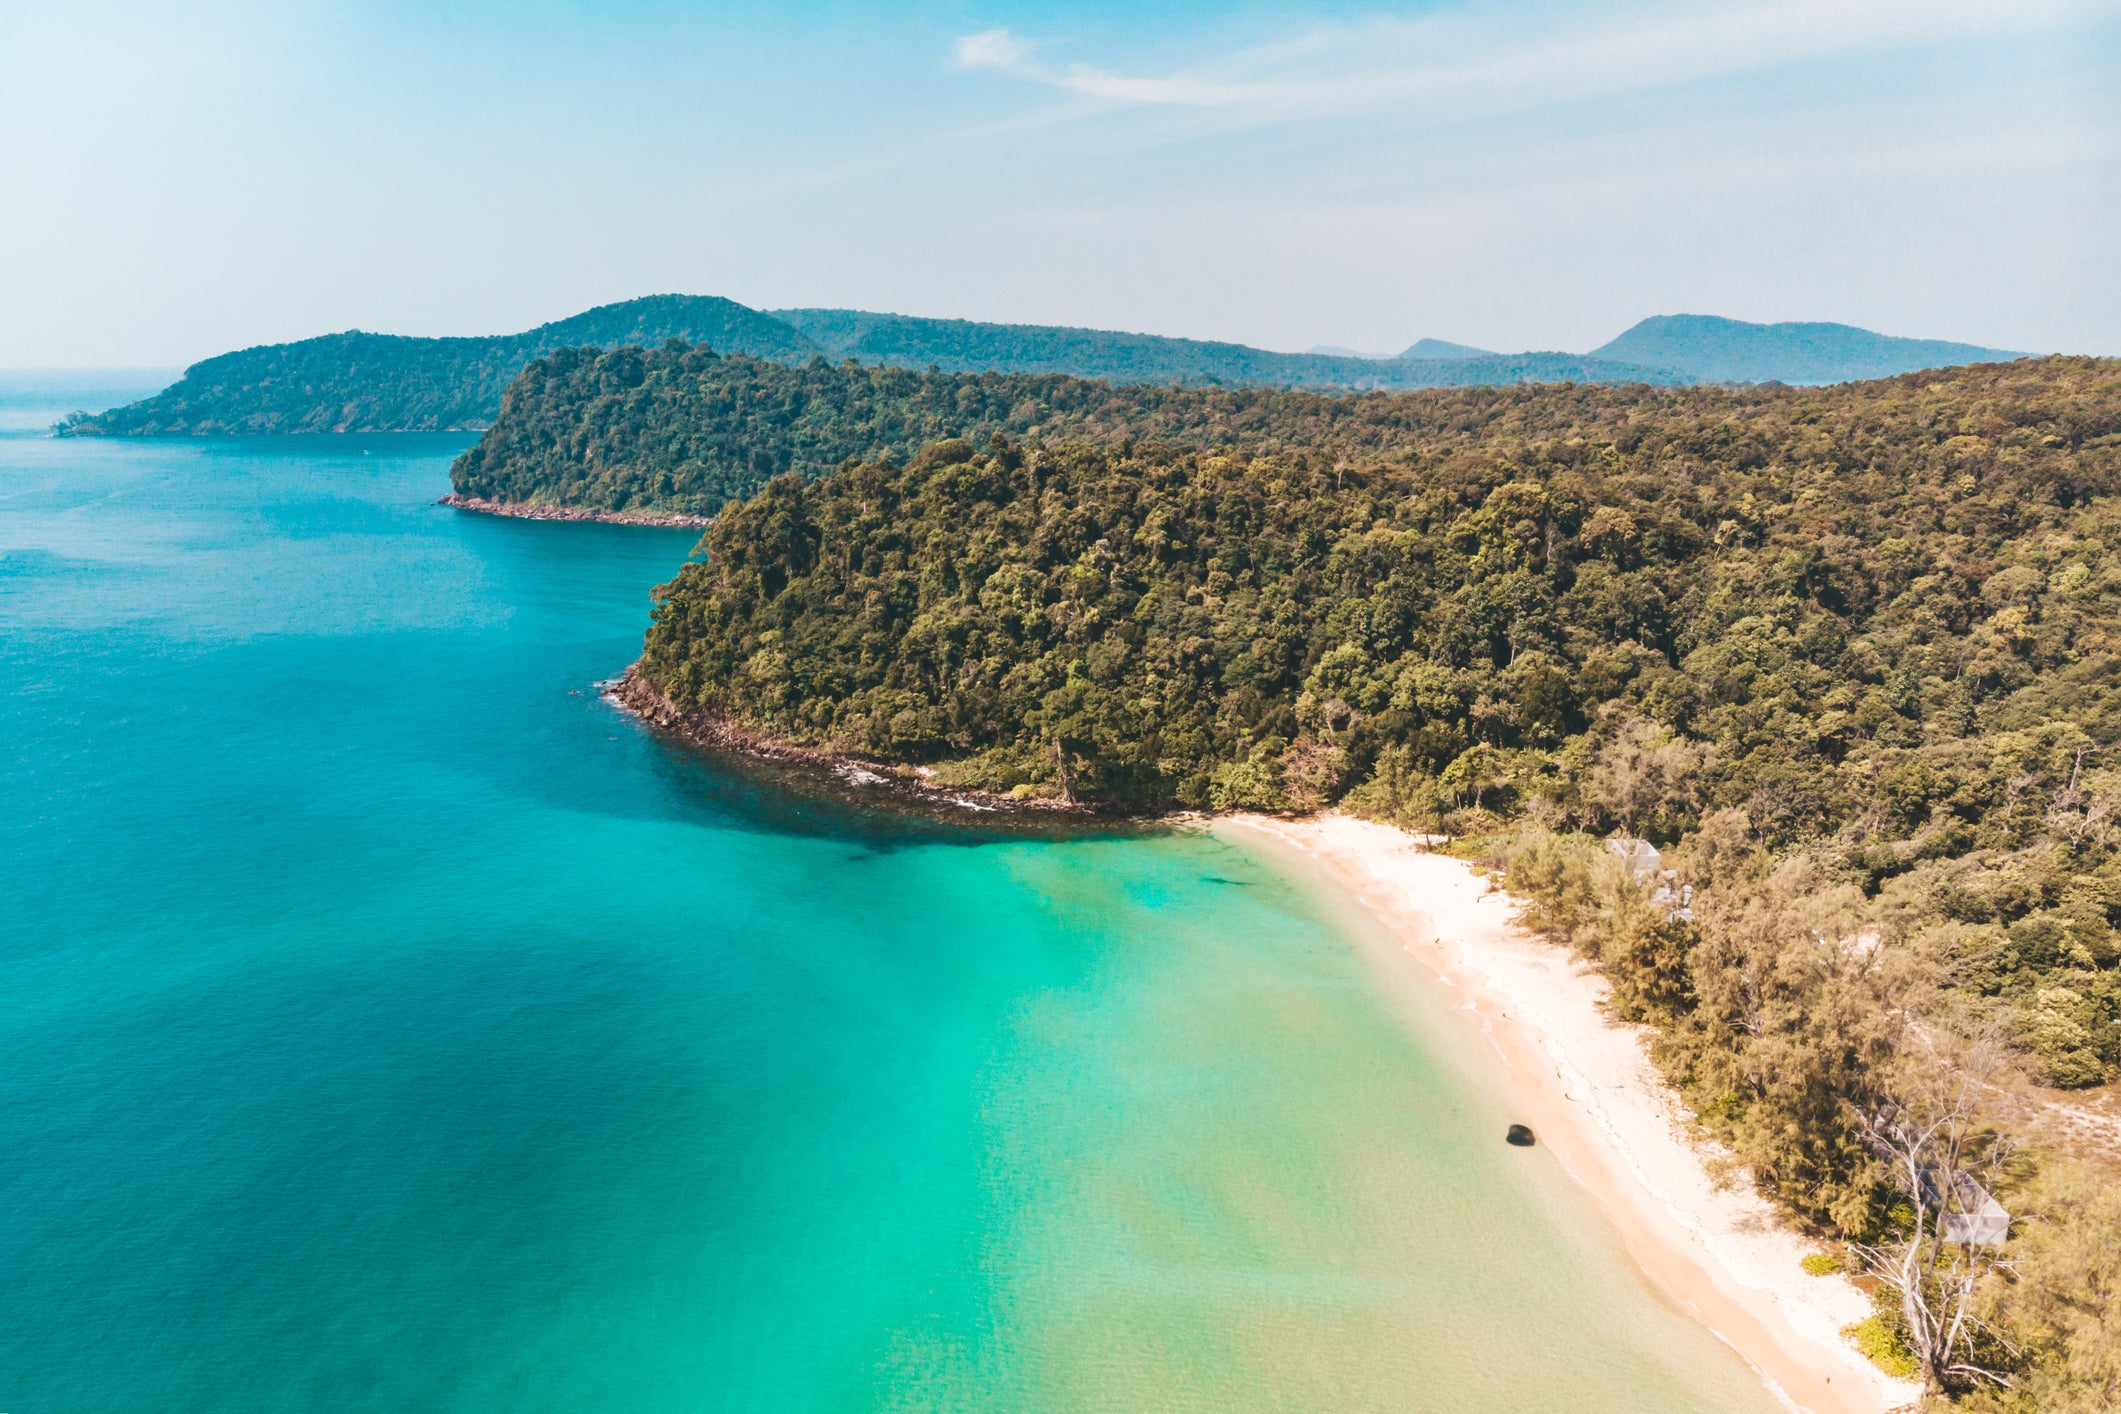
1944 1159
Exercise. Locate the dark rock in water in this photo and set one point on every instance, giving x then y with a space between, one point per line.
1521 1136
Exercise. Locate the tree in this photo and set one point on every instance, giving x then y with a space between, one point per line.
1642 773
1476 771
2065 1301
1945 1160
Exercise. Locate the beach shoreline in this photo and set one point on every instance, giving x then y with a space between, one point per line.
1585 1084
523 510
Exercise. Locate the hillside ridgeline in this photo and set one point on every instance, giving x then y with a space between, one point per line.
683 429
360 382
964 345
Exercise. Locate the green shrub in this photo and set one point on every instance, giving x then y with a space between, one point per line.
1882 1346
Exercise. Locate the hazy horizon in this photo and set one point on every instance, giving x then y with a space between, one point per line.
1505 175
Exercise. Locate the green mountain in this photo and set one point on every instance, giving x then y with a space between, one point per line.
359 382
963 345
1717 350
681 428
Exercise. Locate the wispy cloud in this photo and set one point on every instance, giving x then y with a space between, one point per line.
991 49
1013 54
1498 60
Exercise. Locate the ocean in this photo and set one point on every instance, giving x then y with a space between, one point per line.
390 1023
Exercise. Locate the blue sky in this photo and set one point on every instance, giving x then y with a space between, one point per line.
1513 175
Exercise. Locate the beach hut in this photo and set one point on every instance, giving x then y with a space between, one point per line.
1976 1219
1645 865
1641 857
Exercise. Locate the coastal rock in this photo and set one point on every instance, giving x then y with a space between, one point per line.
524 511
634 693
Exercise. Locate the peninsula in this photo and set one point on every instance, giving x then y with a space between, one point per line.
1851 655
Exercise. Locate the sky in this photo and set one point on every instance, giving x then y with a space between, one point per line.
178 181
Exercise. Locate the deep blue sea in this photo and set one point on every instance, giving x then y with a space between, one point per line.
387 1023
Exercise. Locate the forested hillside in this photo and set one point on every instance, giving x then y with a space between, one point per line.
684 429
1853 654
1503 538
357 382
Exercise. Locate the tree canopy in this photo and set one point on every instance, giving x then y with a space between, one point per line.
684 429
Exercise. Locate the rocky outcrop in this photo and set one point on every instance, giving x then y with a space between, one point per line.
522 511
634 693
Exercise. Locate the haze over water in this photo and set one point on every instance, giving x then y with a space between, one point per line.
390 1024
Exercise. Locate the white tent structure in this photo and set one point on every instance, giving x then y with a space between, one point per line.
1980 1220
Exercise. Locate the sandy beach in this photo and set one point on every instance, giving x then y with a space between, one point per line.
1586 1086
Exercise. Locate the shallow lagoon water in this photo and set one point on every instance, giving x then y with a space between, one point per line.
389 1023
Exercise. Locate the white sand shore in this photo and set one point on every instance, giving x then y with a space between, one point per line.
1586 1086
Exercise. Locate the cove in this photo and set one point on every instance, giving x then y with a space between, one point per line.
390 1023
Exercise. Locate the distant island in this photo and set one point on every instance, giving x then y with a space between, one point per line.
358 382
362 382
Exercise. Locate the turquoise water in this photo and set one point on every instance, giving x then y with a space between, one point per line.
389 1024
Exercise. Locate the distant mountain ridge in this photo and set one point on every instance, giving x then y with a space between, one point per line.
1718 350
362 382
1441 348
971 346
1342 351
